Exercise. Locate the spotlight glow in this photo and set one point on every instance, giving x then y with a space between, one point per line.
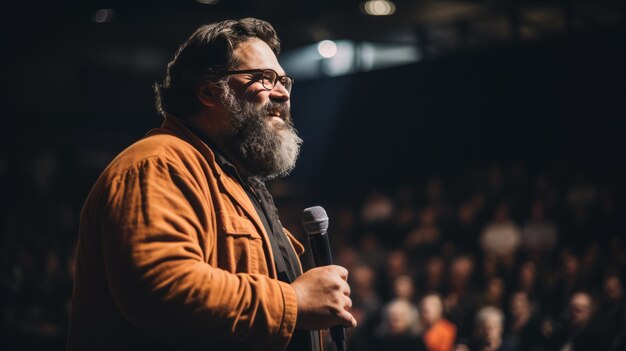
327 48
378 7
103 16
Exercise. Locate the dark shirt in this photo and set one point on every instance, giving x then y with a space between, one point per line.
529 337
284 256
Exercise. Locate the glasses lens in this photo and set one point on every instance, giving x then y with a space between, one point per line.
287 83
269 79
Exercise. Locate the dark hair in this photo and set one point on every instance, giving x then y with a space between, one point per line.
206 54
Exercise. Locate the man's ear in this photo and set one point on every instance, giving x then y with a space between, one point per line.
206 94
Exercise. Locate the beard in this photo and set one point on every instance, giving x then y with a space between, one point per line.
267 150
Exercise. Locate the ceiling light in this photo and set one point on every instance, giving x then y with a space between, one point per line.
103 16
378 7
327 48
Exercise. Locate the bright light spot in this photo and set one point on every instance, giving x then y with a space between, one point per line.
103 16
207 2
307 62
343 62
378 7
327 48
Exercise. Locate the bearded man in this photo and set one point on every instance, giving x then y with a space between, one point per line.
180 244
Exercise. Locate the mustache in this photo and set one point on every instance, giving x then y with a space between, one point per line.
277 107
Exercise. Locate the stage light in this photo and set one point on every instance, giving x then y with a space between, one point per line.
103 16
378 7
207 2
327 48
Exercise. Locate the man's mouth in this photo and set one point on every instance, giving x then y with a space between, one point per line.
277 116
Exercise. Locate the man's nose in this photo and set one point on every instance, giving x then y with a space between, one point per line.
279 93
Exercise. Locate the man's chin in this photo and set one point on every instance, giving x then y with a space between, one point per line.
277 123
277 119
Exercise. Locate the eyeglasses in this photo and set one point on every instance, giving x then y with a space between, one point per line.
268 78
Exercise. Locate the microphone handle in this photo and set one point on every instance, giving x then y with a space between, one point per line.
320 248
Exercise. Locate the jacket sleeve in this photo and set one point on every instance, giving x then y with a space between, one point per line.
153 230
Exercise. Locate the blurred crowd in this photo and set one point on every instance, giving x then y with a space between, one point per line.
487 258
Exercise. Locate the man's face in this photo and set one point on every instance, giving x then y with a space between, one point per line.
431 309
399 320
520 306
580 309
260 130
490 330
613 288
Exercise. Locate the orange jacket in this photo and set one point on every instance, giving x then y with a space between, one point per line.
172 254
440 336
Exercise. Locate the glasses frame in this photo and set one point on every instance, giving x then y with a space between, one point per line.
278 78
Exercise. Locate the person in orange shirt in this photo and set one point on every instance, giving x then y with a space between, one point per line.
439 333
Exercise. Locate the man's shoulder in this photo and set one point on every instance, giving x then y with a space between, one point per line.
157 149
156 160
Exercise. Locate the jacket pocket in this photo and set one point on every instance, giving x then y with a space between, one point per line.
239 245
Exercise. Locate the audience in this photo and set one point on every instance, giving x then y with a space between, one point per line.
542 246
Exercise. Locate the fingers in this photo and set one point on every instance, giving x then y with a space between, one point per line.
348 304
324 298
346 319
343 283
343 273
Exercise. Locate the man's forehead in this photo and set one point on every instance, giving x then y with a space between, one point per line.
256 54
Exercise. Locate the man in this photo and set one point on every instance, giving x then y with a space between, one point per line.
439 333
489 330
524 327
579 331
180 244
399 327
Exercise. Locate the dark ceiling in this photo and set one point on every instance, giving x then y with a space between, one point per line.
165 22
59 62
45 42
490 66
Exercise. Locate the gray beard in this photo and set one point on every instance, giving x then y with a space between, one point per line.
265 150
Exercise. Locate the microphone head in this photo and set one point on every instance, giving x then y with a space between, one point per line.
315 220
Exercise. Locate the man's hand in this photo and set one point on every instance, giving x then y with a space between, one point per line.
323 298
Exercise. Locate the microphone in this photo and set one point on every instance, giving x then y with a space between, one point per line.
315 223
